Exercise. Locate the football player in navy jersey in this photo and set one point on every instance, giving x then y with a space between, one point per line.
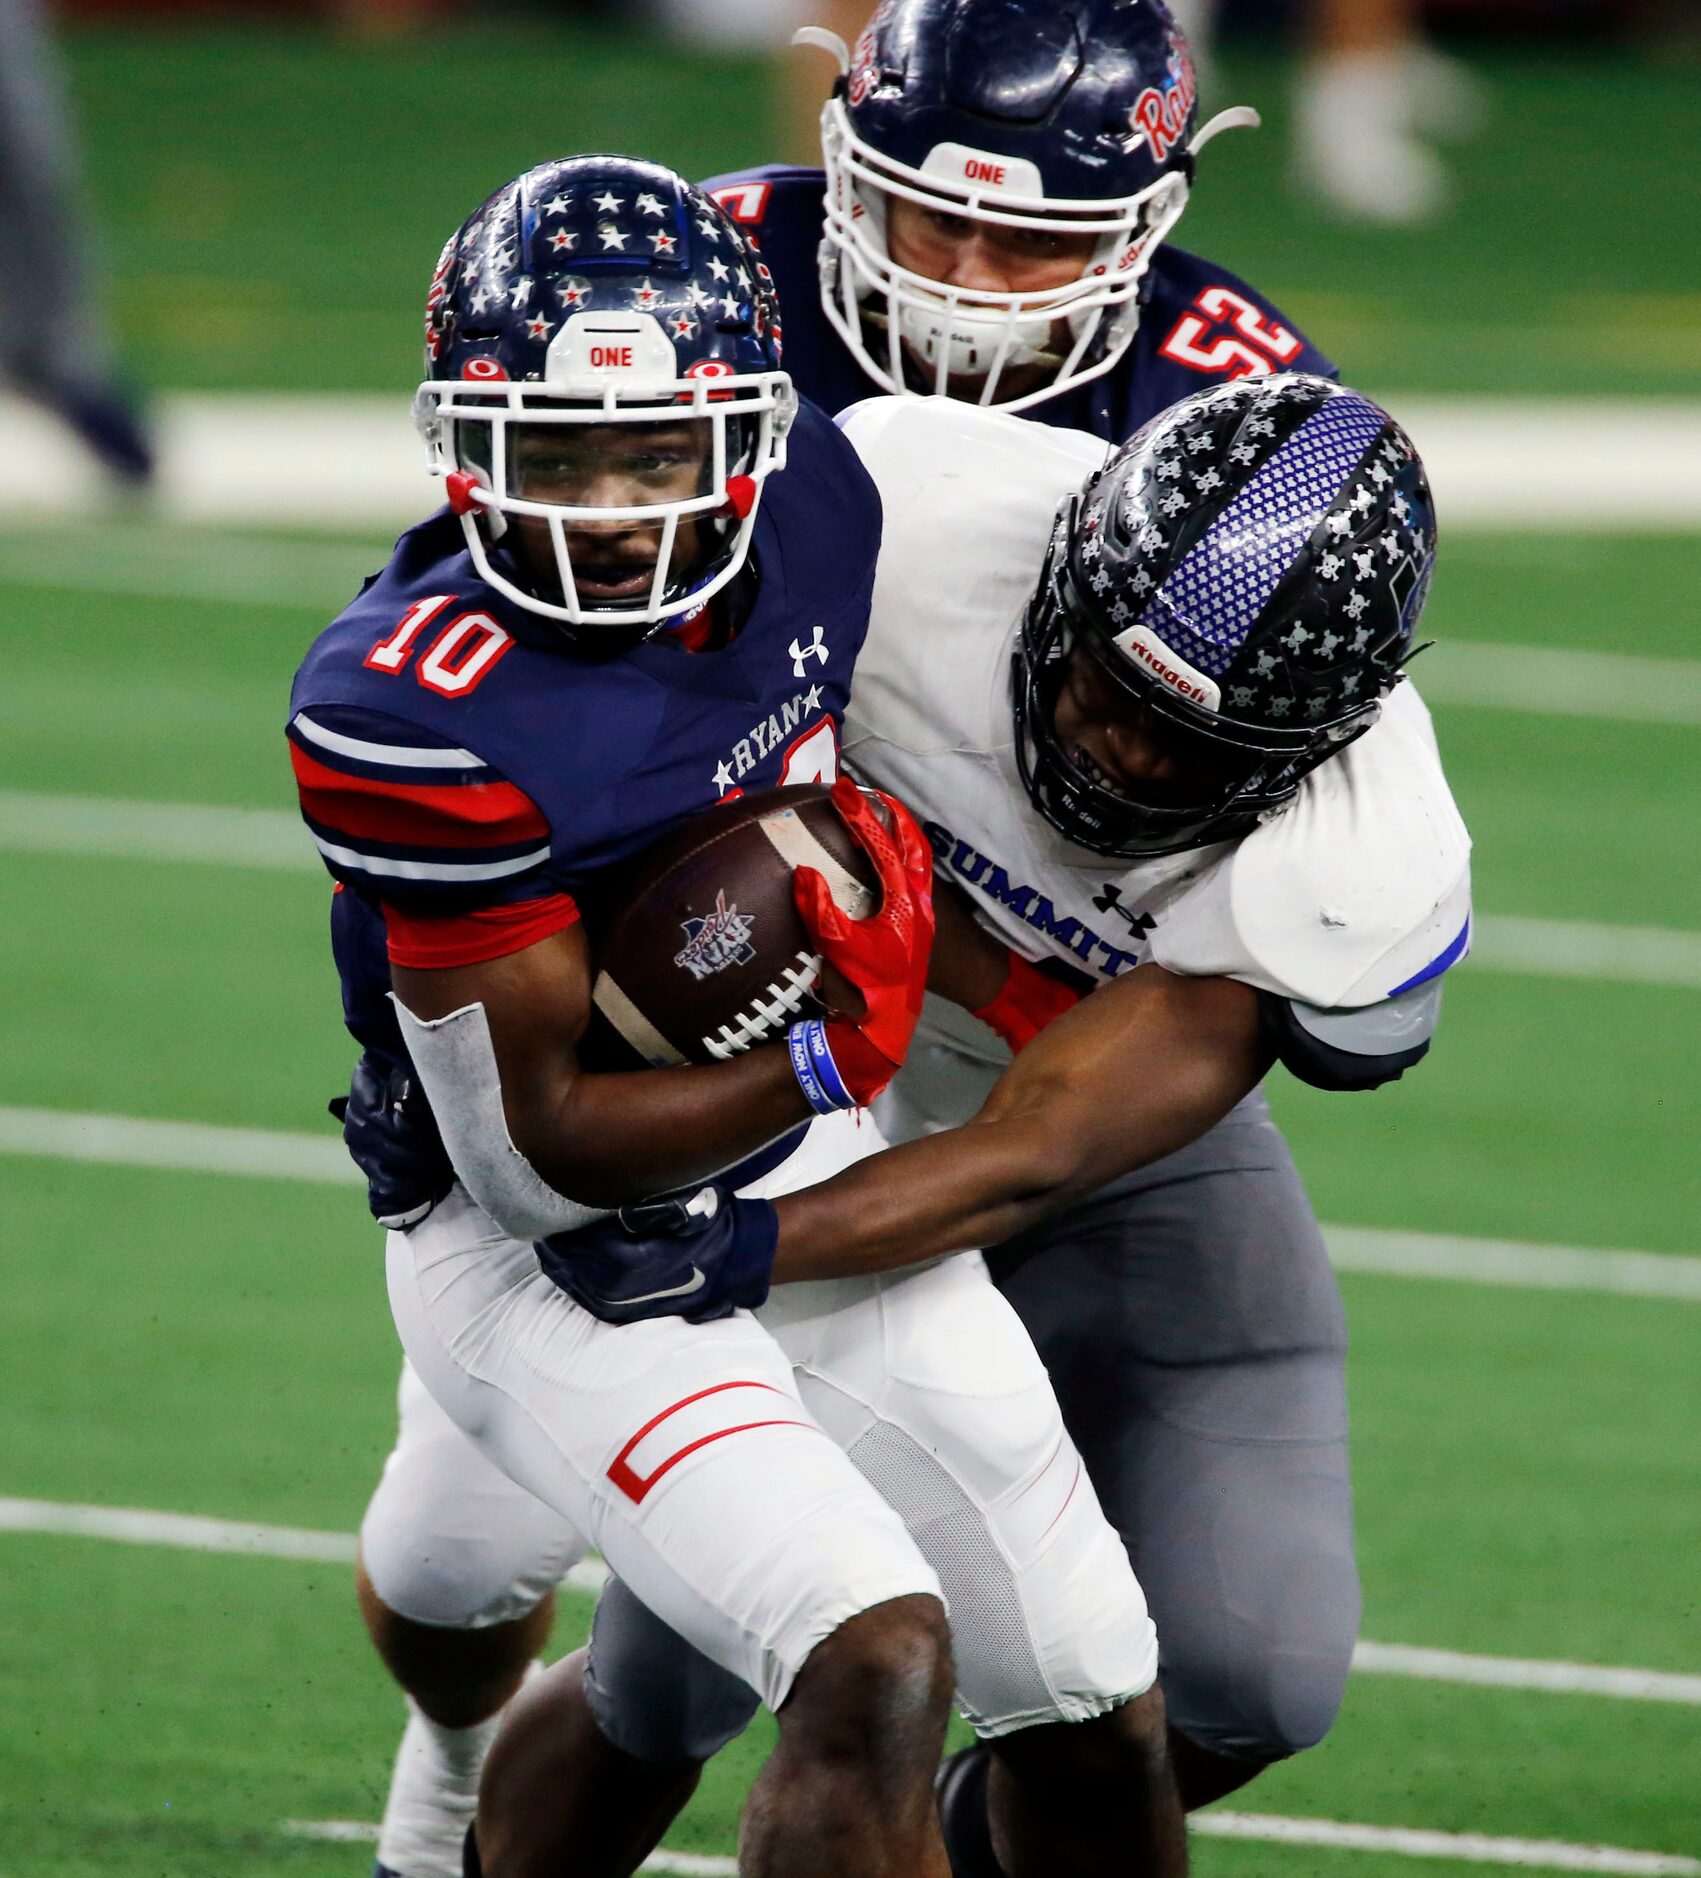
1000 180
594 640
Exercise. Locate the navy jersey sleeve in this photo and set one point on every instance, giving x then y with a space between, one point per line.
405 817
1203 325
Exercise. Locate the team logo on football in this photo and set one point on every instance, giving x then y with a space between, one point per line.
716 940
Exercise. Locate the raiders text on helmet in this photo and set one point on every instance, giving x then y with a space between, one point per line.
1071 117
593 293
1249 570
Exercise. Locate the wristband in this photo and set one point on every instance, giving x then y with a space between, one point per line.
816 1072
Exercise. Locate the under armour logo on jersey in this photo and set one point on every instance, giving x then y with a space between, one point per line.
814 650
1110 901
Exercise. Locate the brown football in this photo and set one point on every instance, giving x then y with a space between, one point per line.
699 946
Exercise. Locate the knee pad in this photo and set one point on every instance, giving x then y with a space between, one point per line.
448 1539
653 1695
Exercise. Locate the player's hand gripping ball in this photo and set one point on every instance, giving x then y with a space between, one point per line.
716 938
883 958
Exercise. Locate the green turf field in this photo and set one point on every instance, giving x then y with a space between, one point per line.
1528 1461
216 1345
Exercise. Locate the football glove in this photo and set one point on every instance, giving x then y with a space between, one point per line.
699 1256
844 1062
392 1138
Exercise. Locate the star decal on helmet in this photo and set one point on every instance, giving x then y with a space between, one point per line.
612 237
556 205
608 202
563 238
651 205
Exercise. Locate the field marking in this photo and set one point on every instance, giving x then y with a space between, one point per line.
32 822
1564 948
188 1532
1555 682
276 1154
1510 1672
1386 1253
1476 1848
130 1525
1268 1828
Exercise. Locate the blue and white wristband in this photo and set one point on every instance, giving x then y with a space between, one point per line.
817 1074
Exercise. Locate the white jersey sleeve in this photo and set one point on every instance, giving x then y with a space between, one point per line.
1359 889
968 498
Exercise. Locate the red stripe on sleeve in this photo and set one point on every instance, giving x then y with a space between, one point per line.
492 932
426 815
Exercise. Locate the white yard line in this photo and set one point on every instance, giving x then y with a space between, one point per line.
275 840
1597 464
1508 1672
32 823
1514 1262
129 1525
1564 948
186 1532
1472 1848
1552 681
201 1148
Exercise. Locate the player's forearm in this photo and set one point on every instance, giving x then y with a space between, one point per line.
1100 1093
972 1186
607 1139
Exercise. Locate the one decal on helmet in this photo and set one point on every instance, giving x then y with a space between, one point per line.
603 386
1062 118
1247 574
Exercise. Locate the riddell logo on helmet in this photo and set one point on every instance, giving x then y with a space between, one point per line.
1150 653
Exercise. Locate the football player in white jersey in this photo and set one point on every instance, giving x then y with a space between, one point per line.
1156 730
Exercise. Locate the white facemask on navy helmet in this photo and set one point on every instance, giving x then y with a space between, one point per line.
603 365
1248 572
1063 117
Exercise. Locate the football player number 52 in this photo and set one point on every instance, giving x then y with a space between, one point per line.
1256 347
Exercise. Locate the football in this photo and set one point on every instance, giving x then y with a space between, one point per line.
699 946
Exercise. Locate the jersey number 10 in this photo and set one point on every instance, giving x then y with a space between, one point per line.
458 658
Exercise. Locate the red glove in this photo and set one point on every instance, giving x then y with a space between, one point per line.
884 956
1030 999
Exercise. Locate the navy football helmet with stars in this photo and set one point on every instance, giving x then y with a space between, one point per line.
1247 572
1048 118
603 295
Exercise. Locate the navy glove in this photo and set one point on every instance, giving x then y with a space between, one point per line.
393 1139
697 1255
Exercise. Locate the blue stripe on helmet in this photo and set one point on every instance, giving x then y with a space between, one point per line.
1216 593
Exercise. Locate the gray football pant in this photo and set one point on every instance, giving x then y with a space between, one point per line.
50 331
1194 1334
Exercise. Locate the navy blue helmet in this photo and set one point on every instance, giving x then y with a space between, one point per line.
602 357
1072 118
1247 571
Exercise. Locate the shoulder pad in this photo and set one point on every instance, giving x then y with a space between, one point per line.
1352 1050
404 815
1212 322
1358 890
